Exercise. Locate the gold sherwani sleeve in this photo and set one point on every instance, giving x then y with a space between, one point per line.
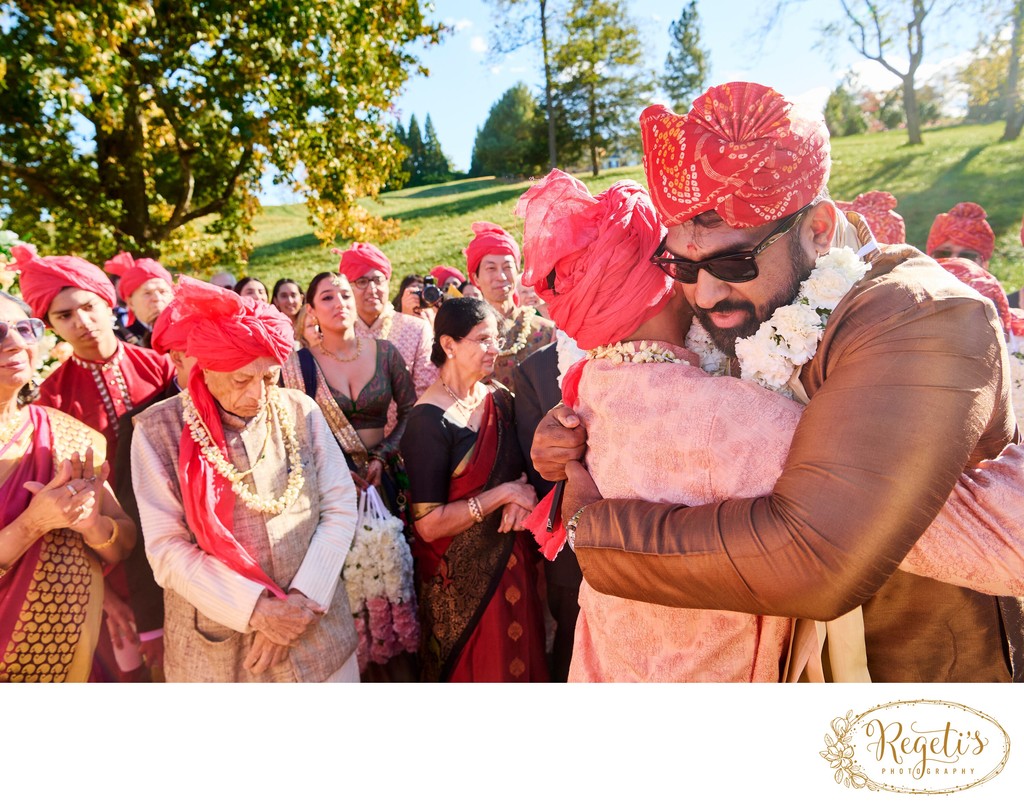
903 396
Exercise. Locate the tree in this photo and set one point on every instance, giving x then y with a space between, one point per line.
843 115
414 142
526 22
1014 111
435 167
128 123
687 64
601 84
507 144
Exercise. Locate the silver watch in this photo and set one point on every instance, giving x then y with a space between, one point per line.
570 529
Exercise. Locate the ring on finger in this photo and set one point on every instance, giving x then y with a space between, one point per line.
71 489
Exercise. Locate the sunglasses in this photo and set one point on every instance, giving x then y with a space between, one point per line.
733 268
29 330
946 252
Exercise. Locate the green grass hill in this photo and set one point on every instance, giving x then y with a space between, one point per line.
955 164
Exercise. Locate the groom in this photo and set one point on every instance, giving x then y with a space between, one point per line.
907 388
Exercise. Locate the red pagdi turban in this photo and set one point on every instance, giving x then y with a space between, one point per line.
878 208
742 151
361 259
135 272
981 280
225 332
599 247
42 277
488 240
964 226
443 274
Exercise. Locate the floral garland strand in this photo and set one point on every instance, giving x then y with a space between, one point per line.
627 353
523 337
789 338
235 476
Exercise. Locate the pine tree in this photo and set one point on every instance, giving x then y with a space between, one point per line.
414 162
687 64
436 167
513 140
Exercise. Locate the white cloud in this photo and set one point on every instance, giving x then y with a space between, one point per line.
458 25
478 44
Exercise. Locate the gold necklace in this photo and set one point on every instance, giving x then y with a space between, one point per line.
201 435
9 428
466 409
333 356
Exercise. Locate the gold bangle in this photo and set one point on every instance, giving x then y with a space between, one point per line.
474 509
115 530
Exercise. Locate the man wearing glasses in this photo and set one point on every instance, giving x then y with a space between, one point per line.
906 388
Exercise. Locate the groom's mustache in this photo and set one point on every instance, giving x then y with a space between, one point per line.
723 307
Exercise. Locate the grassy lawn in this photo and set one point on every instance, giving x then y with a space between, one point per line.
954 164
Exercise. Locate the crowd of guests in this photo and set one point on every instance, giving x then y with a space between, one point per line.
181 494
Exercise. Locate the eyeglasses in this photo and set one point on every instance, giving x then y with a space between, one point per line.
733 268
29 330
955 252
486 343
366 280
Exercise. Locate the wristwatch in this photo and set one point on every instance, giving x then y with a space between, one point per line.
570 529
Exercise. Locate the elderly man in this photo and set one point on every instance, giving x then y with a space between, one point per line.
740 183
145 287
492 264
246 507
369 272
963 232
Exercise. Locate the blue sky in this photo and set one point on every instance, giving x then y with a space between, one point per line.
463 84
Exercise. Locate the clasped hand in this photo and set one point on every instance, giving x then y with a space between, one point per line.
557 453
72 499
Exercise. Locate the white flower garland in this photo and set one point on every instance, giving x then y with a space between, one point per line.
523 336
789 338
236 477
626 353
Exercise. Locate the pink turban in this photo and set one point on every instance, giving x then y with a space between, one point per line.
742 151
361 259
981 280
878 208
226 333
134 273
42 277
488 240
171 328
599 247
964 226
443 274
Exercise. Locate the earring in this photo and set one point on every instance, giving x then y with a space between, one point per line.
451 356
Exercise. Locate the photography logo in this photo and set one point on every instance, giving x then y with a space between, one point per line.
921 746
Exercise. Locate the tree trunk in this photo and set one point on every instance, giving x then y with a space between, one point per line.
548 100
595 167
1014 114
912 112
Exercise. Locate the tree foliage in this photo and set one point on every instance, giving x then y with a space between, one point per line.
843 113
128 123
602 83
687 64
511 142
425 161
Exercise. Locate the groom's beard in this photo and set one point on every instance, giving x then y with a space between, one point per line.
725 339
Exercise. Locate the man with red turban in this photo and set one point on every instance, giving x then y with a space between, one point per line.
369 272
446 276
740 183
879 209
492 264
145 287
247 507
963 232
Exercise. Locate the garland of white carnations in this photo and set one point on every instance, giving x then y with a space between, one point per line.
235 476
378 576
789 338
52 351
523 336
626 353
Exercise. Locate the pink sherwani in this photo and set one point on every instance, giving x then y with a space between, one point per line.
705 454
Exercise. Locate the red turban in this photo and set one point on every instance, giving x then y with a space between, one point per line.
964 226
42 277
878 208
742 151
1017 322
488 240
981 280
599 247
361 259
226 333
443 274
134 273
171 329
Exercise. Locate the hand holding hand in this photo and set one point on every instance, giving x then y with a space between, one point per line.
559 439
264 654
285 621
520 493
61 503
580 490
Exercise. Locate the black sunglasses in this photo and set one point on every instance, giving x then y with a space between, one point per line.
29 330
945 252
733 268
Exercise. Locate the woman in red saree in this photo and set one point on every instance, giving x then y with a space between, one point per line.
59 522
480 613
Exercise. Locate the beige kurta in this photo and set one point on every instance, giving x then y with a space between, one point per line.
208 605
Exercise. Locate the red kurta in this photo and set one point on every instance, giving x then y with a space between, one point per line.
99 393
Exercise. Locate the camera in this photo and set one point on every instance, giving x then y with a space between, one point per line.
430 295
